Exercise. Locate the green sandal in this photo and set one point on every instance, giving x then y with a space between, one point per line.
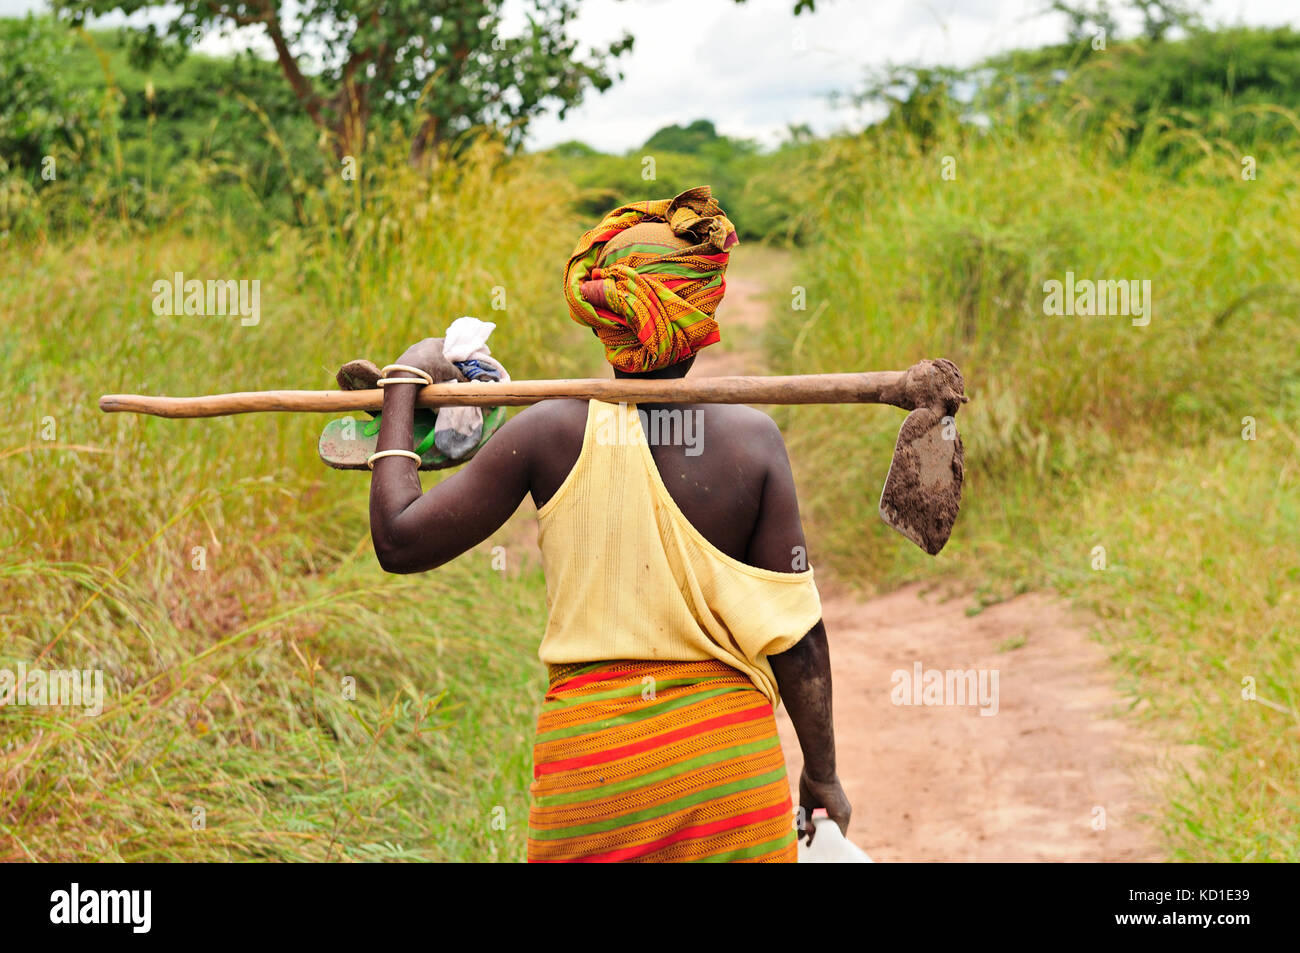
347 443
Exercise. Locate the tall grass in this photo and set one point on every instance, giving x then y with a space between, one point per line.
1089 441
222 578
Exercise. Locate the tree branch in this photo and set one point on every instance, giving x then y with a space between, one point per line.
301 86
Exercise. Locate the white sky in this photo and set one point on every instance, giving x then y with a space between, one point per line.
754 68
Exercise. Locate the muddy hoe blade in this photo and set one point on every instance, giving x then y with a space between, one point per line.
922 492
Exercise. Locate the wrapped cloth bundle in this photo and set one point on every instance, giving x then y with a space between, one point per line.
459 429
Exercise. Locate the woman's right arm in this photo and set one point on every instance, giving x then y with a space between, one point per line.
803 675
803 672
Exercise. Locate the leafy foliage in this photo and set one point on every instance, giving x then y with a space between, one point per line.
43 106
1236 84
1159 17
755 187
147 140
442 68
1180 97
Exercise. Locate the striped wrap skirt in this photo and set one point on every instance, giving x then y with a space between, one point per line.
658 762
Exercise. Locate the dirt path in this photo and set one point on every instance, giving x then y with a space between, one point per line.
1033 782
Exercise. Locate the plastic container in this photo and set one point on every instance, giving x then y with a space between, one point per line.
829 846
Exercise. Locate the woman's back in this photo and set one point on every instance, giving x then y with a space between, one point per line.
629 573
712 459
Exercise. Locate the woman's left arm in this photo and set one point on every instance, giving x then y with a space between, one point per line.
414 531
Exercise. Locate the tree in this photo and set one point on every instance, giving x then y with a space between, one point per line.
1085 19
40 108
687 139
1161 16
919 99
440 66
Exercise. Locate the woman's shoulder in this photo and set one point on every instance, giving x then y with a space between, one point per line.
556 431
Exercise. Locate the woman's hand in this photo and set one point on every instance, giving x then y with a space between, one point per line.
427 356
824 793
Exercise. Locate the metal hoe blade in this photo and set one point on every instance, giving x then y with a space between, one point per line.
923 490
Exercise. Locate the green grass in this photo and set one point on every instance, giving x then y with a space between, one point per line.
1088 432
225 683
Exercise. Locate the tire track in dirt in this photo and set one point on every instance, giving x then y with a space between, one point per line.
945 783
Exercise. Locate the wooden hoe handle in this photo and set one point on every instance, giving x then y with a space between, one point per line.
875 387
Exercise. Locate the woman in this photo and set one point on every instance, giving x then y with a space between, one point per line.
680 613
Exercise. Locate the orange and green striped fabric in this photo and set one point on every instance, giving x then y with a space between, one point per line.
658 762
653 307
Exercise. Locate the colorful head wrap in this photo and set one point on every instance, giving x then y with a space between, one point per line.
653 307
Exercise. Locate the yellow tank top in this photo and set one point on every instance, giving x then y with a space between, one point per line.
628 576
